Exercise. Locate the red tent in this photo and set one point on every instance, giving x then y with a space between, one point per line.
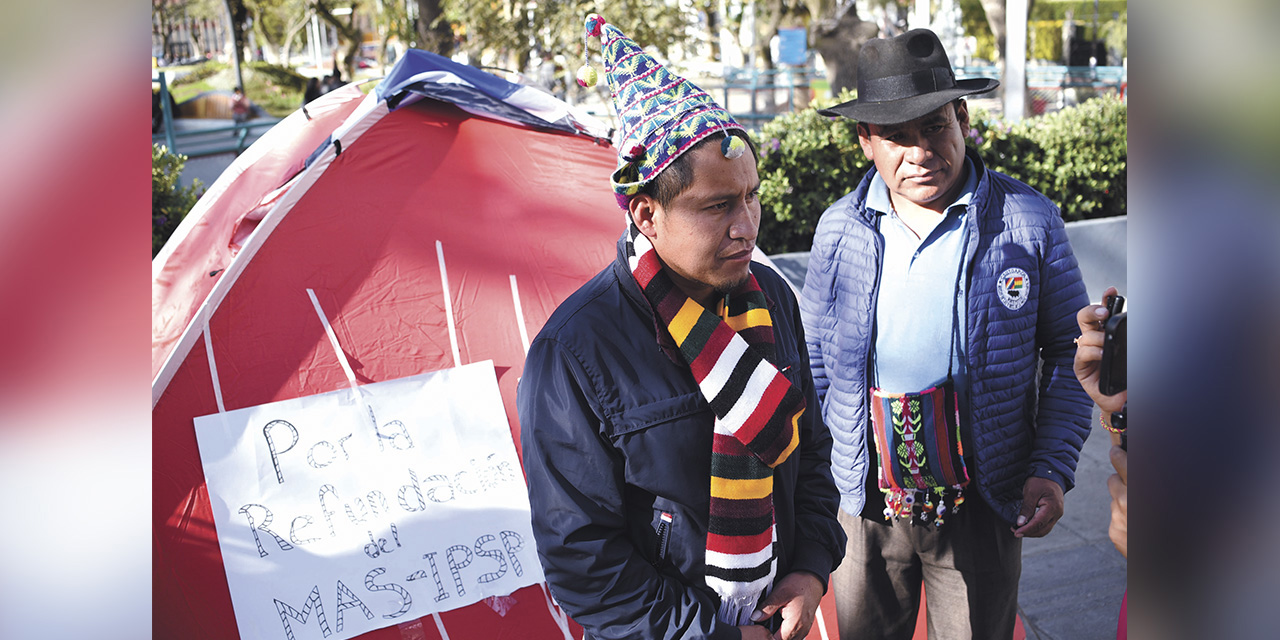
391 202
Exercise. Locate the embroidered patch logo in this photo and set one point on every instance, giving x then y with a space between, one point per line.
1014 286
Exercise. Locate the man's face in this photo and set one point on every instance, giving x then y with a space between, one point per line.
706 234
921 161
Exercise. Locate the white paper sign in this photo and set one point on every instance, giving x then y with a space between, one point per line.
333 523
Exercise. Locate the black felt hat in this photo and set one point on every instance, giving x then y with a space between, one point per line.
903 78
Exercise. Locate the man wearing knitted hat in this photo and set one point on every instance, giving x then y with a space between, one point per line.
678 472
934 291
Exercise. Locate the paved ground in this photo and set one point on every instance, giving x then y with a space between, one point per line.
1073 579
200 135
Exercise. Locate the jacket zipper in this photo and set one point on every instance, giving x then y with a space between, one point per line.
664 534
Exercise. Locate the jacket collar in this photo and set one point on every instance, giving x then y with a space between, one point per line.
631 290
981 193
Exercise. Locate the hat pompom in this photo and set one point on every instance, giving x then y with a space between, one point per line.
593 24
587 76
634 153
732 147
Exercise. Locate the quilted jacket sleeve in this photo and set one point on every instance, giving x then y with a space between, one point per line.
817 306
820 540
1062 421
579 520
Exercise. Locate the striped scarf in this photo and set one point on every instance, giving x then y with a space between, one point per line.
756 428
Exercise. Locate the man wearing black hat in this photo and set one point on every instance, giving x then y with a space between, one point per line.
935 290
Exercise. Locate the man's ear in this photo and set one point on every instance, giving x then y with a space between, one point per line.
643 208
864 140
962 116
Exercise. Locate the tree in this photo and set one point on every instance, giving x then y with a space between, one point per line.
511 35
995 10
198 14
394 20
348 31
711 14
435 33
162 24
167 16
277 24
237 13
838 35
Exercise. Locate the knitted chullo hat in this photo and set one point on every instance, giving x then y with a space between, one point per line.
661 115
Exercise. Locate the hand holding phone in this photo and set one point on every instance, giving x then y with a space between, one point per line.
1113 374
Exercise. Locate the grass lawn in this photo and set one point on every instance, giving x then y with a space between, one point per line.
276 89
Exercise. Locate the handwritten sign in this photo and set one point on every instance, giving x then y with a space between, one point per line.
339 514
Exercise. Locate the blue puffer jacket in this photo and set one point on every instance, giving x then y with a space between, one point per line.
1010 225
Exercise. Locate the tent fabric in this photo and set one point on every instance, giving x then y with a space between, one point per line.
435 76
185 270
364 228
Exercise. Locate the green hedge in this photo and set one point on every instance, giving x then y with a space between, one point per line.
275 88
1083 10
169 202
1076 157
202 71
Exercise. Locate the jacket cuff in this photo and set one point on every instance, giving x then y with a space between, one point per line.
814 559
724 631
1042 471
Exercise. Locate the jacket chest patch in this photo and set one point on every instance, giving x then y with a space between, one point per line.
1014 287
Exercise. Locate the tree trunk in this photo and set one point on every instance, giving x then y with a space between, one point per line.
160 26
713 28
270 50
764 54
996 20
348 32
434 33
838 42
196 29
291 34
235 16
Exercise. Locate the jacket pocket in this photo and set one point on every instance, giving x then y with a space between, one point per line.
642 415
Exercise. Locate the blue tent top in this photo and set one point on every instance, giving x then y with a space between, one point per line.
426 74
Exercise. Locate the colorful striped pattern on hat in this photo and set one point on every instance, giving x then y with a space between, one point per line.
660 114
756 427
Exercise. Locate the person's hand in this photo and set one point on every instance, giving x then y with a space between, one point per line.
1041 508
755 632
797 596
1088 364
1118 484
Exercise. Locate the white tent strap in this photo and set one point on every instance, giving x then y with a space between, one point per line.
515 297
448 306
444 635
561 618
213 366
333 340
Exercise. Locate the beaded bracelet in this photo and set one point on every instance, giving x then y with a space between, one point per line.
1102 418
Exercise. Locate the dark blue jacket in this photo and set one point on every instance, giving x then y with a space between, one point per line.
1018 430
615 432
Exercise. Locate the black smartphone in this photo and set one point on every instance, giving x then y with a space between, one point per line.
1114 374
